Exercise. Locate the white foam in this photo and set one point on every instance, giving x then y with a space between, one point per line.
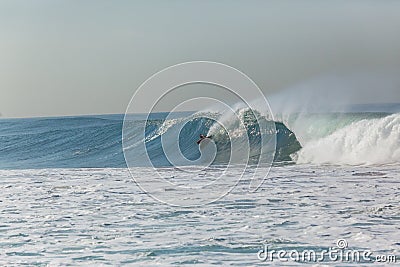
369 141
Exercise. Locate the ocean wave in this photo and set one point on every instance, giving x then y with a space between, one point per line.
93 141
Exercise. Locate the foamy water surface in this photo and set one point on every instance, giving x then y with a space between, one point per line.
100 216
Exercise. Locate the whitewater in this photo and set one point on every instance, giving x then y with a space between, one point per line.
68 197
374 141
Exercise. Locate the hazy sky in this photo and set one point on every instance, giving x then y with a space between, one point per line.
88 57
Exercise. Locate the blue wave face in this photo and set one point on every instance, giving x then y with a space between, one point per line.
61 142
95 141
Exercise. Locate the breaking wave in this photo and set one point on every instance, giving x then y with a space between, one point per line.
95 141
367 141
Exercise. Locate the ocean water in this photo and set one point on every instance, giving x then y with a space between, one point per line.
68 198
99 216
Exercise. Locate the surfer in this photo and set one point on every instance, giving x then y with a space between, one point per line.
202 137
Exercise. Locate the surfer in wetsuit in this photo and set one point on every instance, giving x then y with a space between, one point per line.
202 137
